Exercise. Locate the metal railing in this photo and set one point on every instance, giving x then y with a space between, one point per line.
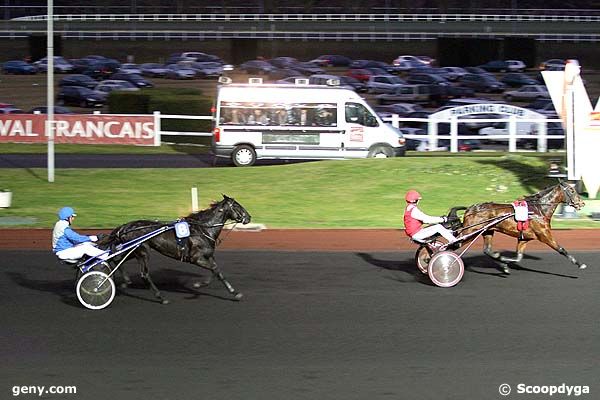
327 17
512 138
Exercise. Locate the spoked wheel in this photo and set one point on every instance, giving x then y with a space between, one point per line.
102 266
422 257
95 290
445 269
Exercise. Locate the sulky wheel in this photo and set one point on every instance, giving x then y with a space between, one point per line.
422 257
102 266
95 290
445 269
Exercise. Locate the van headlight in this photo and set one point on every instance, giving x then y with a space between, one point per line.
401 141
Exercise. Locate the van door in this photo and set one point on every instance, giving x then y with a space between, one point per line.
362 130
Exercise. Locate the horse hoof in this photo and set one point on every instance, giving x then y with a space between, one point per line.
506 270
198 285
164 301
238 296
582 266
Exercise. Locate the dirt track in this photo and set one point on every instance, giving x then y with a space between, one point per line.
315 240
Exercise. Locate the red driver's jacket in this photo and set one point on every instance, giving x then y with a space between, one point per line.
411 225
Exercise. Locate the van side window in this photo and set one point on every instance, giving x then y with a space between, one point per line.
359 114
278 114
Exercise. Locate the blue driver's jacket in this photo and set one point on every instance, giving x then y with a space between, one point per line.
63 237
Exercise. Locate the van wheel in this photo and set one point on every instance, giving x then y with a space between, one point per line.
243 156
381 152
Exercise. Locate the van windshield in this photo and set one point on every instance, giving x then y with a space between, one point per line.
359 114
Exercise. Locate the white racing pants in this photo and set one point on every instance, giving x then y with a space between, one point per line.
86 248
432 230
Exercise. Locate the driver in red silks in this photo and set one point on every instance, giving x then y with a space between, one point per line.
414 219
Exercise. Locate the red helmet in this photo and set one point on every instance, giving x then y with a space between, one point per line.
412 196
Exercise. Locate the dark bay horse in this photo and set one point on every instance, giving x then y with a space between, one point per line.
199 248
541 208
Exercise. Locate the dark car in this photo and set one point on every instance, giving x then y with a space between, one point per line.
428 79
136 79
78 80
516 79
18 67
495 66
257 67
477 70
482 83
332 60
357 85
44 110
390 69
80 96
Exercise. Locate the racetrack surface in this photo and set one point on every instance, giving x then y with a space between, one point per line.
312 325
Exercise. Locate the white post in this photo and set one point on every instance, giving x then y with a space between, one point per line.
432 131
157 128
512 134
194 199
454 134
542 144
50 89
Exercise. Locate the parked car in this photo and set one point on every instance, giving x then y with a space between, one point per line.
355 84
78 80
418 59
389 69
454 73
361 74
332 60
130 68
420 94
527 93
136 79
383 83
18 67
408 66
477 70
426 78
110 85
495 66
44 110
401 109
6 108
553 64
516 65
516 79
482 83
205 69
80 96
61 65
543 106
178 71
257 67
154 70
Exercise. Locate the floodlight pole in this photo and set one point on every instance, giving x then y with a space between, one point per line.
50 90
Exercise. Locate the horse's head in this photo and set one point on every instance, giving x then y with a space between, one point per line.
571 197
234 210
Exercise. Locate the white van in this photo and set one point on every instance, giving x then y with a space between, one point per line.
301 121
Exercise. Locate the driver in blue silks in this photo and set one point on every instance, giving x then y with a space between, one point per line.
70 245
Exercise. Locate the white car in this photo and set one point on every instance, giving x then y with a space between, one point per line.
454 73
527 93
384 83
413 59
130 68
516 65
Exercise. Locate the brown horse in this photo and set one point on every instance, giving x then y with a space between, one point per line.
541 208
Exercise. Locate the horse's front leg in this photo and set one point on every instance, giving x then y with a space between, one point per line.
210 264
549 240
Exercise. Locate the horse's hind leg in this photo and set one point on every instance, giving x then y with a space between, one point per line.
142 255
489 251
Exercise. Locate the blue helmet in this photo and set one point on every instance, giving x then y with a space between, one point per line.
66 212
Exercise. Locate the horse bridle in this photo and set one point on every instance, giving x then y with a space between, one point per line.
566 188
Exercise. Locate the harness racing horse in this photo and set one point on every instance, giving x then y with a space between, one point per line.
541 205
199 248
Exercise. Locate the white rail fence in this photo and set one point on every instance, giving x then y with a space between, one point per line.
512 138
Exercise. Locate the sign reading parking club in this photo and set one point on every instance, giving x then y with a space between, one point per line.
80 129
